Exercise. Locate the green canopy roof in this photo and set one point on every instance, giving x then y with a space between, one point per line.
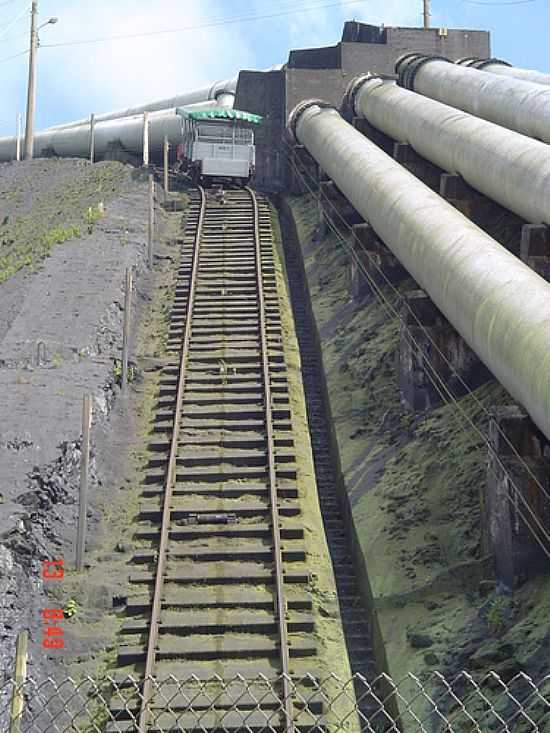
218 113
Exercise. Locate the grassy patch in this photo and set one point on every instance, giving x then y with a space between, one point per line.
62 213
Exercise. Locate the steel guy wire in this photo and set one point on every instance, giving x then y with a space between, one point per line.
459 377
441 388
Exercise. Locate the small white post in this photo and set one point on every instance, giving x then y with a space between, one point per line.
126 327
146 139
20 677
18 138
166 150
92 138
151 220
84 469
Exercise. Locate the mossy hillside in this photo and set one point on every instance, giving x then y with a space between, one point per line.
66 211
332 655
91 634
414 483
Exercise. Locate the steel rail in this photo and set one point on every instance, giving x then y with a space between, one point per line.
270 440
169 484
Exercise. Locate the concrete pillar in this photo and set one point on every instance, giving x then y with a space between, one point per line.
535 248
427 172
334 204
371 259
454 189
429 343
512 499
303 171
377 137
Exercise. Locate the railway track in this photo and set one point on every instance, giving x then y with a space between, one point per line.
222 586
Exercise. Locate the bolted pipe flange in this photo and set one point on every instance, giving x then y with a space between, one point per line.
404 59
347 108
476 63
298 111
408 68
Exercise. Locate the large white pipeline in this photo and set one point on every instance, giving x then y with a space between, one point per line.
499 305
502 68
221 91
509 168
522 106
126 133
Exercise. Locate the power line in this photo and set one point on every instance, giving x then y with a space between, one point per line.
211 24
15 20
15 56
498 2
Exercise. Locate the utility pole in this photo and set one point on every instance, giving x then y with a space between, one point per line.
31 90
426 14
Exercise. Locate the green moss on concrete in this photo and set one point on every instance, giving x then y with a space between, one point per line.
414 483
65 212
332 654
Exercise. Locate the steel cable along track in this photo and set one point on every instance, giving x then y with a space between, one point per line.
225 586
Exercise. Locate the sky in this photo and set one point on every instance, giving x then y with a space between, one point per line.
75 80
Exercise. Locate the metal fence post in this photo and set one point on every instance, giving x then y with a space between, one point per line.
166 179
146 139
151 220
126 327
18 137
20 677
92 138
84 469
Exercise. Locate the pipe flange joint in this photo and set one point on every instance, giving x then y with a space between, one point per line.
476 63
347 108
299 110
404 59
408 68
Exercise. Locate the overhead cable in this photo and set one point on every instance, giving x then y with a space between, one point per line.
201 26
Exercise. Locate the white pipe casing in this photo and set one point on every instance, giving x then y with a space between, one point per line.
197 96
126 132
509 168
502 68
518 105
499 305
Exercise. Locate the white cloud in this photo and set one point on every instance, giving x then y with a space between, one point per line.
77 80
125 72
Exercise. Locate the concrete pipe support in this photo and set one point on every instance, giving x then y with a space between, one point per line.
498 305
502 68
518 105
512 169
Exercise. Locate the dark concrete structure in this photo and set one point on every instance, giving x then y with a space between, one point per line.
535 248
371 262
326 72
516 505
429 345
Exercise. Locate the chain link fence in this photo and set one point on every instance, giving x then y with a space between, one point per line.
430 703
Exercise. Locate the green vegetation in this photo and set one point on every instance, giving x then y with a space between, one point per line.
64 212
415 482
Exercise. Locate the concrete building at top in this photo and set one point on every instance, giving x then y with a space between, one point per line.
325 73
